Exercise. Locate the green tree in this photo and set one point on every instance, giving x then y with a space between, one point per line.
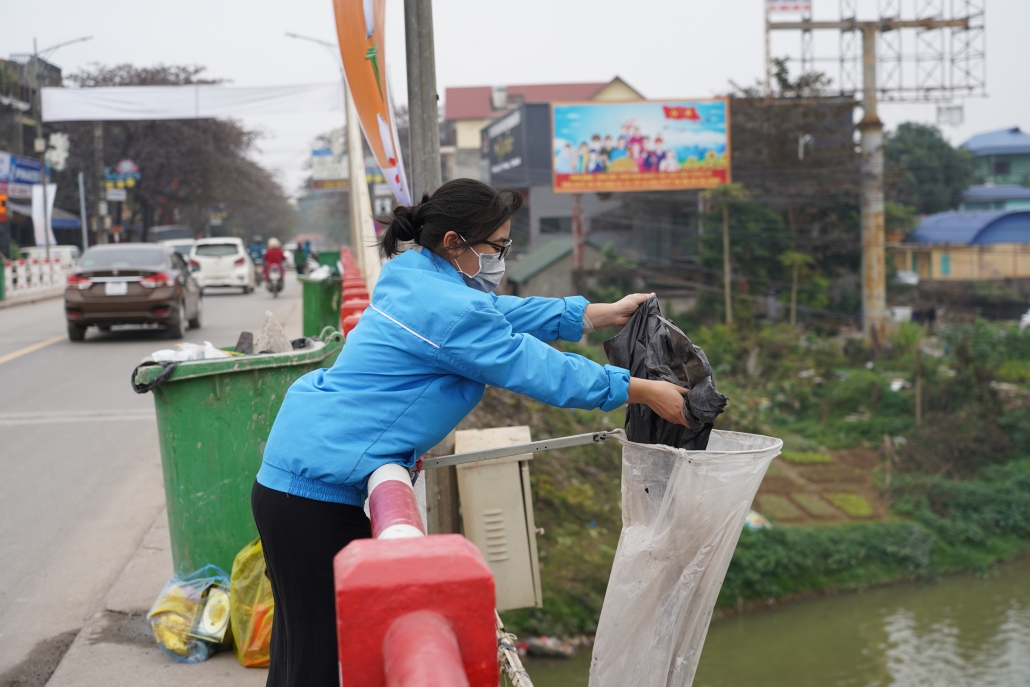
923 170
723 196
757 237
796 263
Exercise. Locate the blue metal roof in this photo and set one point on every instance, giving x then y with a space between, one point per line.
1010 141
999 192
974 228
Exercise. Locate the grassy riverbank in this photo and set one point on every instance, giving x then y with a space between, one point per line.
866 494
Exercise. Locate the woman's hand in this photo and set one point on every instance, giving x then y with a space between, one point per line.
615 314
664 398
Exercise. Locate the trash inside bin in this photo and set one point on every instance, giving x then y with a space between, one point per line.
652 347
191 614
213 419
682 513
321 298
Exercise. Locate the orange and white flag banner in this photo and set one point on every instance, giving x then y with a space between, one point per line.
360 29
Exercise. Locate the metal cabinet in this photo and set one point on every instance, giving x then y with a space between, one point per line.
497 514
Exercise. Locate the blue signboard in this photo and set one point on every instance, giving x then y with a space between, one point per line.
19 174
25 170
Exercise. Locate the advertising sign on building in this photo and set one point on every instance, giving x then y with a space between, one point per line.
327 165
506 143
640 146
22 173
516 148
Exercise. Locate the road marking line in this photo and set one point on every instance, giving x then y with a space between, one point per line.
31 349
7 419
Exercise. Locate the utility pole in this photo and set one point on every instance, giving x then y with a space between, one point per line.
929 85
82 212
423 101
41 146
40 143
874 268
98 173
425 177
727 280
358 202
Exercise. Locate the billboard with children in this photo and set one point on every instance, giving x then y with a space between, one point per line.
640 146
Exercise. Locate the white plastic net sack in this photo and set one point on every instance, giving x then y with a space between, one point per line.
682 513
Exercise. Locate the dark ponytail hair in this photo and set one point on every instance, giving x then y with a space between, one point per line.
469 207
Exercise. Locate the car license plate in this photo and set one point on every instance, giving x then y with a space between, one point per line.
116 288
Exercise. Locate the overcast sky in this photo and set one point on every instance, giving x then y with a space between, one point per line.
664 48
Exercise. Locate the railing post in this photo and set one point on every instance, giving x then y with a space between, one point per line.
412 610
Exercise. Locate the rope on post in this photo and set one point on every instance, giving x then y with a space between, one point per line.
508 657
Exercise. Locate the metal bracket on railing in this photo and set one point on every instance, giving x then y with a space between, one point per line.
505 451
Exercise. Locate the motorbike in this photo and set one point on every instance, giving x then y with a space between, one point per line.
274 282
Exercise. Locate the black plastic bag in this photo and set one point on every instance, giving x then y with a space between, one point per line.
652 347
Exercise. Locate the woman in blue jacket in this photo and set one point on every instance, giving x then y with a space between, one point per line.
433 337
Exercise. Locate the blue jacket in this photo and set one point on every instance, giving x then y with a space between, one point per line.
415 365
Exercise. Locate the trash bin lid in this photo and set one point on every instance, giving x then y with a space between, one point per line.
332 341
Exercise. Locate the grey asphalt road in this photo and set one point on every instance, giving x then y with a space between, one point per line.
80 472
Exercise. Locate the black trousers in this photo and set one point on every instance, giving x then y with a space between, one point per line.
300 537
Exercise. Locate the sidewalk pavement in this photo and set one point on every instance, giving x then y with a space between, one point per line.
116 647
32 297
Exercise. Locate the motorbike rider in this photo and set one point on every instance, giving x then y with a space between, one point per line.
257 248
274 256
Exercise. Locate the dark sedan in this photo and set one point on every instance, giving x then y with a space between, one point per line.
132 283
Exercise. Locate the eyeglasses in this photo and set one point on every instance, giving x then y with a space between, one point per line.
502 249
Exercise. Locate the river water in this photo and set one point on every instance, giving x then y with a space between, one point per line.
963 631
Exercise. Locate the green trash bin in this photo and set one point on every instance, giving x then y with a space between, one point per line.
328 257
213 419
322 301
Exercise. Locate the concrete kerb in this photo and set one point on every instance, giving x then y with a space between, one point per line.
116 648
28 299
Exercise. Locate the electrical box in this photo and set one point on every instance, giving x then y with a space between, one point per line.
497 514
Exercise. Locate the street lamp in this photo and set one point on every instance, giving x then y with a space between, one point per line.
354 147
40 143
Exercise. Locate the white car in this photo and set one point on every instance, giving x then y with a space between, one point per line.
180 246
222 262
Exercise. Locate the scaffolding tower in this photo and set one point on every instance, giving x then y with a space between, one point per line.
913 51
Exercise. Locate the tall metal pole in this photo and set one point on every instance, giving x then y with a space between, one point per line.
874 280
768 52
39 137
430 99
356 173
98 171
578 234
82 211
416 155
727 281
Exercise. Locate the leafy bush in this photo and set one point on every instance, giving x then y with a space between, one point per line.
955 525
963 512
775 562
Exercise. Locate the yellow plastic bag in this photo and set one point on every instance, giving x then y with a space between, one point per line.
190 616
251 607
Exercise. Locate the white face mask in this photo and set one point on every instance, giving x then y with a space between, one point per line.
491 271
